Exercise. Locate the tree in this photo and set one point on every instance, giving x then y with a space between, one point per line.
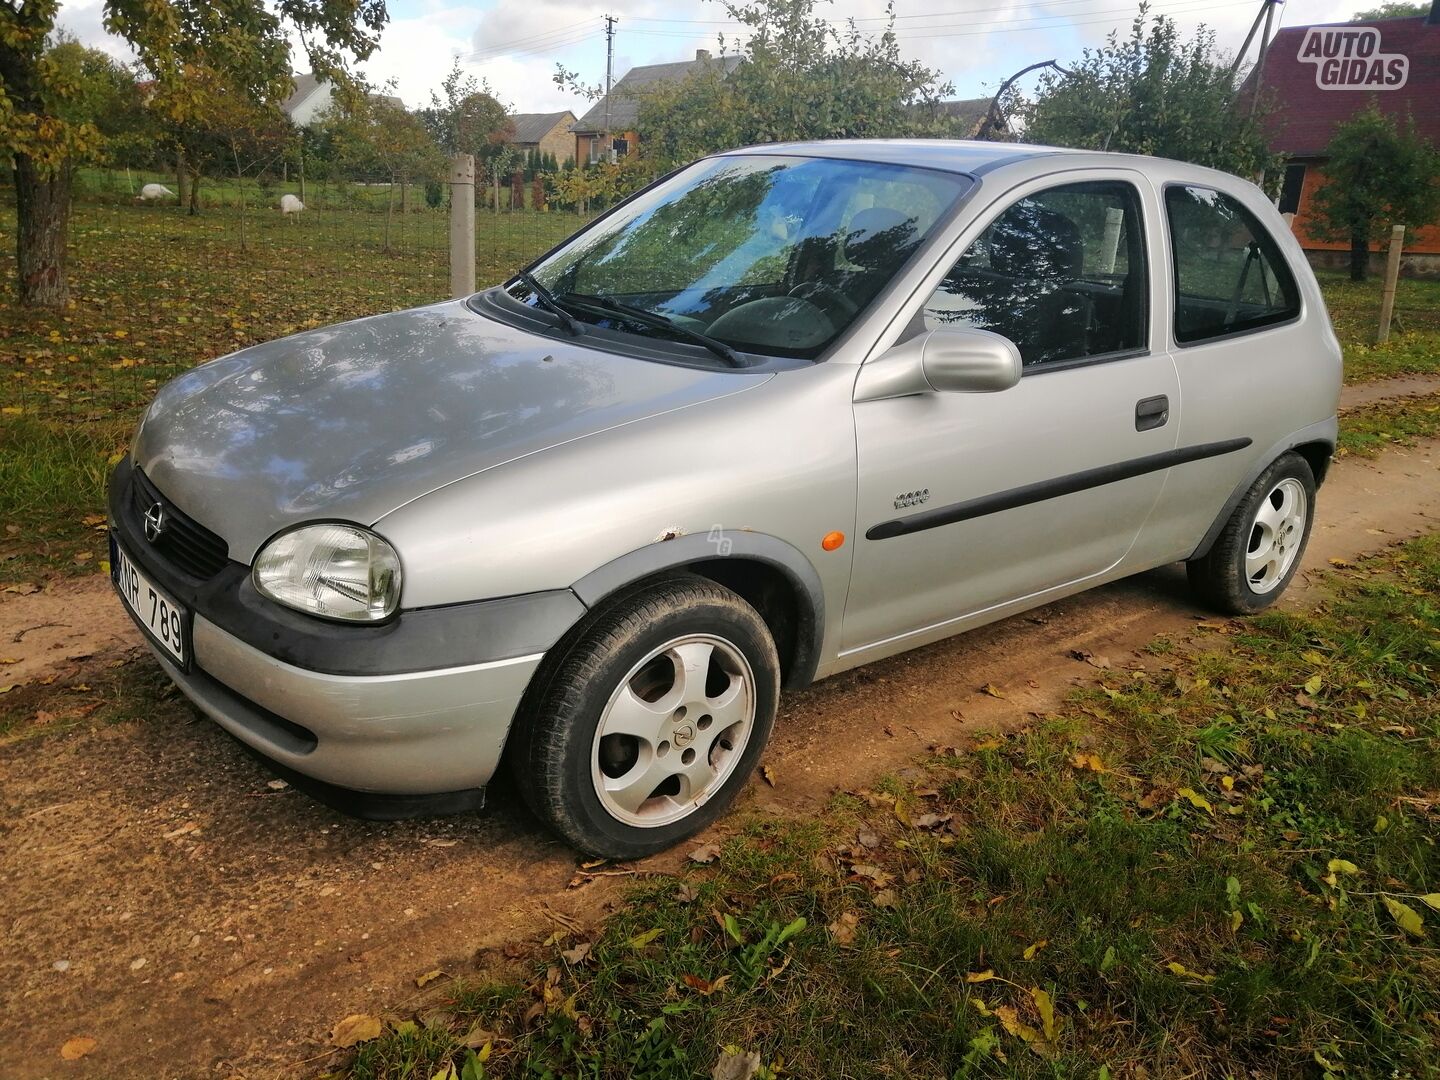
247 40
377 133
466 117
1154 92
799 77
1391 11
1378 174
215 126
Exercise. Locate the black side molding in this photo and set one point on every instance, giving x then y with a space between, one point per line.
1051 489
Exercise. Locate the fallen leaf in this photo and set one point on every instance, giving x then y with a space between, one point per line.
879 877
1048 1024
1091 762
428 977
867 839
685 893
1029 953
979 976
76 1048
1185 973
931 821
735 1064
578 954
705 853
767 774
704 987
1195 799
843 929
355 1029
1342 866
1408 918
1431 900
990 688
639 941
887 898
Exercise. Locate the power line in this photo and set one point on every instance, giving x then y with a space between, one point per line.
530 41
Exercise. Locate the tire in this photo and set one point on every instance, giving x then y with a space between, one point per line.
625 706
1257 553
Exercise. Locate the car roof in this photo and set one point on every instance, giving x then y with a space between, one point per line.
975 158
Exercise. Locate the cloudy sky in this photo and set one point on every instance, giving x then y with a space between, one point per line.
515 44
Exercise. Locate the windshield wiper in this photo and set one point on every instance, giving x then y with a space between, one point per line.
660 322
547 300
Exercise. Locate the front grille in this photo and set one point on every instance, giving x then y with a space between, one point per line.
189 546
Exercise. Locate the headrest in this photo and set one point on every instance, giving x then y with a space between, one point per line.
875 234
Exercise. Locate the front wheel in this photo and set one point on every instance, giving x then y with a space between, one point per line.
649 725
1259 550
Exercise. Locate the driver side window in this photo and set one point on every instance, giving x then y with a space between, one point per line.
1061 273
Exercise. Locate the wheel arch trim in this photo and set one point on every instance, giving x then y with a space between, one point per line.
1323 434
738 544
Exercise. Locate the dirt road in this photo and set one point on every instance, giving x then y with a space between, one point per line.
158 896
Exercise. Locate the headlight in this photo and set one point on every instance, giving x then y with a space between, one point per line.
333 571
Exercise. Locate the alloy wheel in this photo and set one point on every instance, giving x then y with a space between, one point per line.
673 731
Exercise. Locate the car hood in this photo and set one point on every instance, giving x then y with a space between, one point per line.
352 421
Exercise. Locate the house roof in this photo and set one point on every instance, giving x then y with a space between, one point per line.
1319 76
532 127
304 86
625 94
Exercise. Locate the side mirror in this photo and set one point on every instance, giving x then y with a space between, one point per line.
951 360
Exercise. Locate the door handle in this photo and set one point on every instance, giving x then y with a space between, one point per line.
1152 412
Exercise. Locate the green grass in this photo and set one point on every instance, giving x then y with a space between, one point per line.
1414 345
156 292
1367 431
1201 868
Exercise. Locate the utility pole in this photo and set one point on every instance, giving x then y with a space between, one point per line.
610 21
1264 48
1267 9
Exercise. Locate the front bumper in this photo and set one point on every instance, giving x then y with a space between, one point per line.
413 713
437 732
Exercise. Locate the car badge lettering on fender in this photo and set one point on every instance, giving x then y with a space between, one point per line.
154 522
912 498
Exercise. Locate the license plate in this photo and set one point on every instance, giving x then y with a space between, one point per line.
167 622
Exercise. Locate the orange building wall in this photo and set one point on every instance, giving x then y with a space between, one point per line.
1424 242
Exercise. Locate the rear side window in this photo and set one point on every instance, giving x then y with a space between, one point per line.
1229 274
1061 273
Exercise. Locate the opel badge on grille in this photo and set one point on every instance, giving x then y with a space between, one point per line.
154 522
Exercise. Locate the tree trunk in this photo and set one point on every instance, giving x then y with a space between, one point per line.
195 193
42 204
182 174
1359 254
389 209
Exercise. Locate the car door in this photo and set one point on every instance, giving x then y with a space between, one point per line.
1245 349
969 502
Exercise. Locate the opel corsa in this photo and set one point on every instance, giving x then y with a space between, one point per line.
789 410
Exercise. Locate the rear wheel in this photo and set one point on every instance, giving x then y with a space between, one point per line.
652 721
1259 550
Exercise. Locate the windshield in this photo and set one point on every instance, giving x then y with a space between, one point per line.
767 254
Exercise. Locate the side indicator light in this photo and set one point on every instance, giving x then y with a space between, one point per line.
832 541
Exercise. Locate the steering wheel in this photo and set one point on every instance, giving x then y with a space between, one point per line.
838 307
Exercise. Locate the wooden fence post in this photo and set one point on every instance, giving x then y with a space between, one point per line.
1392 274
462 225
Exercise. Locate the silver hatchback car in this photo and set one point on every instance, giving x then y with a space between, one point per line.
789 410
